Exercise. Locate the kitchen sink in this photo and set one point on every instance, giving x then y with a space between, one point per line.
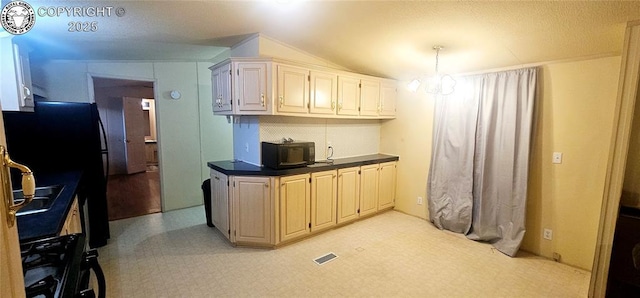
42 201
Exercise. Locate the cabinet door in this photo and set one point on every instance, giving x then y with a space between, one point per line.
294 206
324 90
324 191
251 87
387 185
388 95
348 96
369 189
348 194
369 98
221 86
293 89
252 210
72 224
220 202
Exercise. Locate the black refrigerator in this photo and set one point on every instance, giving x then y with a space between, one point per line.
65 136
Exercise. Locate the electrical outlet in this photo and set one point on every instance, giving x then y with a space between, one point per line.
547 234
419 200
557 157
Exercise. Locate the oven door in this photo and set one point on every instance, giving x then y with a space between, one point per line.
85 286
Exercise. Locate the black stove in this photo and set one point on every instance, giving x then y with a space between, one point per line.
59 267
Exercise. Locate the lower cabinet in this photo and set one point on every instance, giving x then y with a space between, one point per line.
267 211
295 206
324 194
307 204
253 211
387 185
369 189
72 224
220 202
348 194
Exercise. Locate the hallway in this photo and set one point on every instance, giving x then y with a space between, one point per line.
134 195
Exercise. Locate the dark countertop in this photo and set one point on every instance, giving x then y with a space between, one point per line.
240 168
49 223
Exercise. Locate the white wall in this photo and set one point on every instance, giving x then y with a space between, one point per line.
246 139
186 132
348 137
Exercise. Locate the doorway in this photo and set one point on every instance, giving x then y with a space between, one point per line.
127 108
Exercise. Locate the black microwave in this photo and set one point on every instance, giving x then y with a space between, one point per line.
288 154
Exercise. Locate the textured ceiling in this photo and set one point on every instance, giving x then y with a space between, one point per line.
387 38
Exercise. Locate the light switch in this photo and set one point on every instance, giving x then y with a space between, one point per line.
557 157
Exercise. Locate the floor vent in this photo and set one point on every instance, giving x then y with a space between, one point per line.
326 258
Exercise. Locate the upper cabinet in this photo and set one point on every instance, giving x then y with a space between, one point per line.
261 86
16 90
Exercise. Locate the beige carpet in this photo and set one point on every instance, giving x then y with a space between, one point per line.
175 254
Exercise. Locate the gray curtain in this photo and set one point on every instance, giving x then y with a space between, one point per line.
479 165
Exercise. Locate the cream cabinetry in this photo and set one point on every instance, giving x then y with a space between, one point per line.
269 211
307 204
220 202
252 87
295 206
387 185
369 189
253 211
369 97
324 193
324 92
221 84
388 97
348 95
293 89
348 194
16 89
72 223
263 86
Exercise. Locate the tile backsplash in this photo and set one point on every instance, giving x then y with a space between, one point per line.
348 137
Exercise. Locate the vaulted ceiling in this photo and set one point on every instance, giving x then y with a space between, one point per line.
387 38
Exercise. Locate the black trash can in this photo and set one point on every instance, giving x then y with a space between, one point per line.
206 192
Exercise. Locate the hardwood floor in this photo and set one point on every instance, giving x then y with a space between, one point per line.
133 195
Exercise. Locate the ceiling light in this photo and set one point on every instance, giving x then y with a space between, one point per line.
440 84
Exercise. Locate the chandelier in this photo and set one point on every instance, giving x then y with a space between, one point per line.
438 84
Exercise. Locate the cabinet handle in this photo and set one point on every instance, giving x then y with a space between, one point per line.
266 185
216 178
333 105
340 106
281 100
262 99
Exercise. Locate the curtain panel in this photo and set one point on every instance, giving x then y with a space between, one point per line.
477 182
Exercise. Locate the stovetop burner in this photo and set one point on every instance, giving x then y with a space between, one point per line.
46 262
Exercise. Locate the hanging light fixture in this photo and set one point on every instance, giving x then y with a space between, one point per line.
438 84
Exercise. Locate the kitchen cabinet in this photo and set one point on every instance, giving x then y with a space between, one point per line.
293 89
369 189
151 153
72 223
264 86
369 97
348 194
387 185
252 87
221 84
348 96
295 206
324 200
220 202
16 88
253 211
388 97
324 92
